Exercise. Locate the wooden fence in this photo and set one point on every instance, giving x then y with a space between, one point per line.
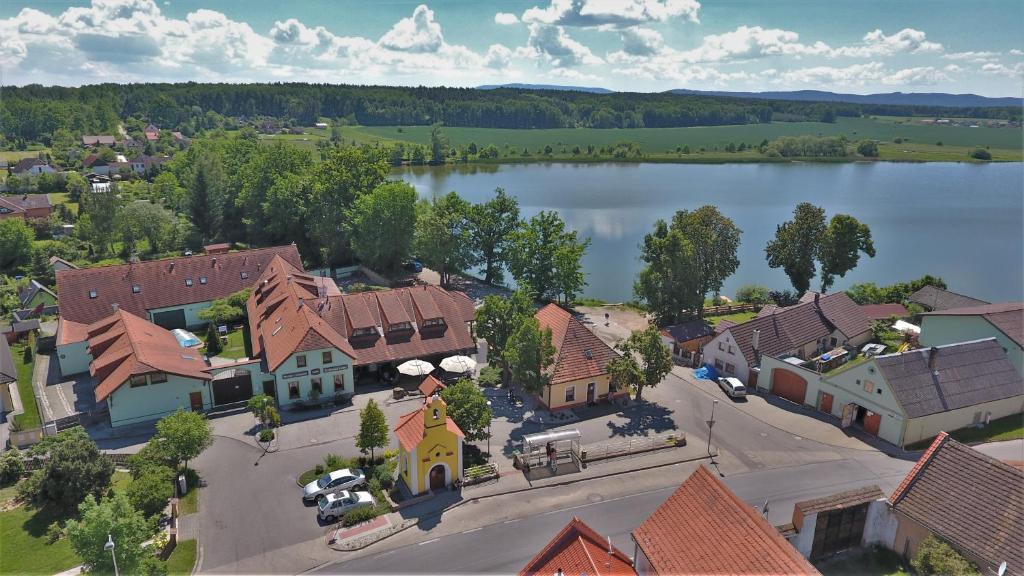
731 309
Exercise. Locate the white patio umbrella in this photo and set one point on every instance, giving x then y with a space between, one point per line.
458 364
415 368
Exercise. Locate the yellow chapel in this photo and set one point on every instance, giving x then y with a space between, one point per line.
430 447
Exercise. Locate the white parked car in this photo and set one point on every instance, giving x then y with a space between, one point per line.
732 386
333 506
331 482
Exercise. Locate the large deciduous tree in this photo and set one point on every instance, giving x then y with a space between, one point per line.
493 223
529 352
184 434
443 235
468 408
715 240
114 518
644 362
845 238
497 319
74 469
383 224
667 282
16 239
546 258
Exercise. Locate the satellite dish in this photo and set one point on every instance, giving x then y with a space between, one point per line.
1002 569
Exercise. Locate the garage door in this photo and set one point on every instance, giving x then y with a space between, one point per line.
235 389
872 422
170 319
788 385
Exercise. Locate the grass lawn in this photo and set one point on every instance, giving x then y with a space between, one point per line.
12 156
235 348
1008 428
736 318
63 198
120 480
844 367
30 418
182 559
874 561
189 504
23 547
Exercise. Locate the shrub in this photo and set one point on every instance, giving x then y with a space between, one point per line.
391 453
11 466
753 293
53 532
490 376
359 515
75 468
936 557
319 469
335 462
266 435
373 485
385 474
151 489
29 489
977 154
213 345
868 148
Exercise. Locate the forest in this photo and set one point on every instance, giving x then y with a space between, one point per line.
33 113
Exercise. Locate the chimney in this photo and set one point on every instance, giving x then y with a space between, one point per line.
932 353
755 340
817 296
115 306
171 267
213 262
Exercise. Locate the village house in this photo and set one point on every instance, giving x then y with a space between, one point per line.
151 132
579 550
933 299
579 374
25 206
58 264
966 498
816 325
98 140
909 397
169 293
686 339
1004 322
429 447
32 167
35 294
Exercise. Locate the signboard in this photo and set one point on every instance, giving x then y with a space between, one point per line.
336 368
295 374
848 412
314 371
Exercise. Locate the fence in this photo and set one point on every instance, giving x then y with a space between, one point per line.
481 473
34 463
731 309
595 452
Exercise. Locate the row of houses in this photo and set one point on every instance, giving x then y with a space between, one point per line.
955 493
151 133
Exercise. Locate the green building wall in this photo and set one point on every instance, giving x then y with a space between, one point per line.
289 371
940 330
153 401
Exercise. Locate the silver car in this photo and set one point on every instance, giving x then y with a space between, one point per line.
733 387
332 482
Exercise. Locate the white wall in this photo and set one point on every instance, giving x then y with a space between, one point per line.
880 525
723 348
153 401
73 358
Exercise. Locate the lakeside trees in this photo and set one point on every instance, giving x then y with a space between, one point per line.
493 223
381 225
496 321
443 235
546 258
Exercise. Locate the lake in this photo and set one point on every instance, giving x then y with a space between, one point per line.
962 222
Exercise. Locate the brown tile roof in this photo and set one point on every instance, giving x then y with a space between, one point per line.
124 345
704 528
934 298
99 139
411 427
577 550
687 331
28 201
162 282
839 501
944 378
785 329
969 499
884 311
1008 317
69 332
572 341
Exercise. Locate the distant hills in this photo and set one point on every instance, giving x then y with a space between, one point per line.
891 98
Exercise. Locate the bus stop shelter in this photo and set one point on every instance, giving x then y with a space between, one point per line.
566 445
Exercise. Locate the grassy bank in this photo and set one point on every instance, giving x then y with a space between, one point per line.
30 418
182 559
1001 430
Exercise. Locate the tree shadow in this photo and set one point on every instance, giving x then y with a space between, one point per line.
642 418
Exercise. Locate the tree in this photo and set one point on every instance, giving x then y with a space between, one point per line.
151 489
443 235
213 344
796 246
468 408
74 469
76 185
492 225
753 294
373 429
438 144
529 352
981 154
16 238
143 219
715 240
206 197
545 258
937 557
114 517
667 282
497 319
220 311
383 223
644 362
844 240
167 189
868 148
186 435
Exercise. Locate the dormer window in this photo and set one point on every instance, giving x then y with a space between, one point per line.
434 322
398 326
364 331
202 279
245 275
188 282
92 294
136 288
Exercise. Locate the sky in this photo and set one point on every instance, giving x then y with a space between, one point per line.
861 46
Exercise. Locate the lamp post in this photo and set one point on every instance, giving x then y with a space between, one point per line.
109 546
711 424
489 431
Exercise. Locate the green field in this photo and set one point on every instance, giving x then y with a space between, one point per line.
654 140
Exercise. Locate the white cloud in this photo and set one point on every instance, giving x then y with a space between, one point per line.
853 75
505 18
553 43
972 56
641 41
918 76
1016 52
752 42
876 43
616 13
996 69
418 33
498 56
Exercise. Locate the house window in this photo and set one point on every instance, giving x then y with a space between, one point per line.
570 394
729 368
869 386
719 365
158 377
730 349
92 294
327 358
397 326
318 385
293 390
202 279
245 275
188 281
721 346
300 360
339 382
136 288
138 381
834 342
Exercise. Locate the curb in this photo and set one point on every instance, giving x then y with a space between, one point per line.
518 491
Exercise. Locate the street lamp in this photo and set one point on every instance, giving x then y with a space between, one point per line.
711 424
109 546
489 431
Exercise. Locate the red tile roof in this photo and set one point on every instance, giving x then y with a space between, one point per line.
411 427
577 550
884 311
124 345
572 341
162 282
704 528
430 385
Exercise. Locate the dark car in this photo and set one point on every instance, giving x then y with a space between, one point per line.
414 266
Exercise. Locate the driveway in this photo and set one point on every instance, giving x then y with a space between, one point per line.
58 396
